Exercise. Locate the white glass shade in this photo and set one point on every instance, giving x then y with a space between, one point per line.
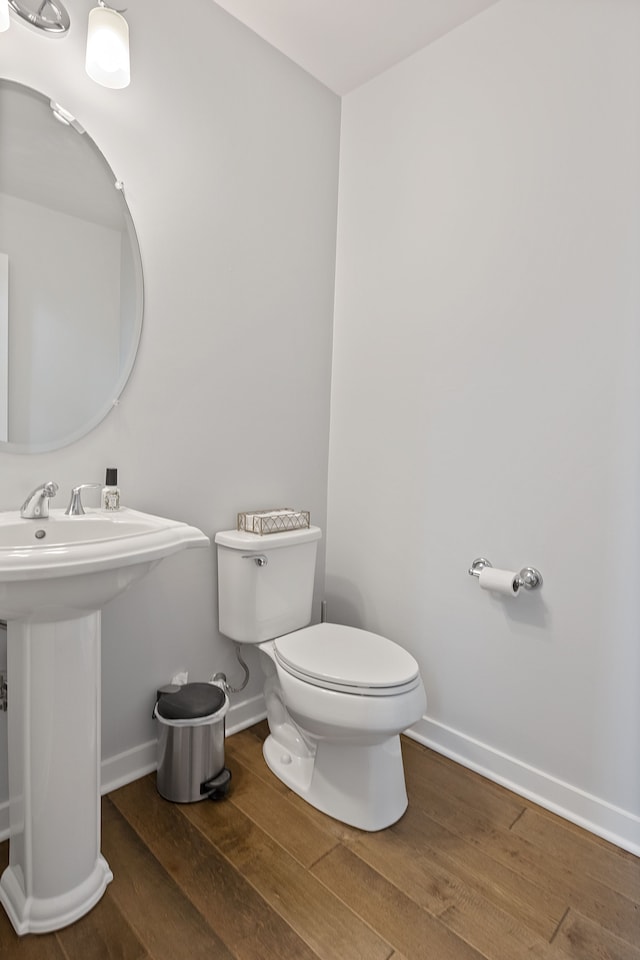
4 15
108 48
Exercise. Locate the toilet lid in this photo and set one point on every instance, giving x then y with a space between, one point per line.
333 655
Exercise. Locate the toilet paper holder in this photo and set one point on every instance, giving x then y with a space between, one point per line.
529 577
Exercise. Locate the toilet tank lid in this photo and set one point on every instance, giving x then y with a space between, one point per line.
240 540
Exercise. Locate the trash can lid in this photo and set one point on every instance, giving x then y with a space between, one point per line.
192 701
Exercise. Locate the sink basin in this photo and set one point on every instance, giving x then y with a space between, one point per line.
58 530
62 545
41 560
55 575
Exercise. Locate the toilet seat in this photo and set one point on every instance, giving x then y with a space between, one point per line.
346 659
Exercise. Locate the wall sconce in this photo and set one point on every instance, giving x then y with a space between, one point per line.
108 47
4 15
48 15
107 59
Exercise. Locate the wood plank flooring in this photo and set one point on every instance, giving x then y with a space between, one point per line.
471 872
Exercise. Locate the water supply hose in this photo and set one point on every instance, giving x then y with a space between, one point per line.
220 679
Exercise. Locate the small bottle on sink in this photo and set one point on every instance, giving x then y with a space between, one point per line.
110 492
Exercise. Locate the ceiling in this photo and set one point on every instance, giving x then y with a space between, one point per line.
344 43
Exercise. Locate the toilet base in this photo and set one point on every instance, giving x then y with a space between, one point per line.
362 786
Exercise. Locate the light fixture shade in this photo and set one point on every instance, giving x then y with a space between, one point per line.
4 15
108 48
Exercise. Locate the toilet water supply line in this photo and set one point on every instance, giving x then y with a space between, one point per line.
220 679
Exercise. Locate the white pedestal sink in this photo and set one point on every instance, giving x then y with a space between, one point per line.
55 575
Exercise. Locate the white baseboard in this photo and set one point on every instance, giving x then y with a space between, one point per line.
131 765
244 715
594 814
135 763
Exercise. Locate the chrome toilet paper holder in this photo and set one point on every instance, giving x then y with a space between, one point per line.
529 577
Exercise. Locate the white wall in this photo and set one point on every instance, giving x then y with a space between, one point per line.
485 394
229 155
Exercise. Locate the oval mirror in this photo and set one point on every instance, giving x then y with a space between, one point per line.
71 290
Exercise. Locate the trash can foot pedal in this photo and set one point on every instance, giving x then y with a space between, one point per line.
218 787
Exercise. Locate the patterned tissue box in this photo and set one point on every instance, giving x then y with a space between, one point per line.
277 520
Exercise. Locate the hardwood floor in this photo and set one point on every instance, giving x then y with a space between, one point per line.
470 872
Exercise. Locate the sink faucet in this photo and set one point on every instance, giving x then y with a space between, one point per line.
36 506
75 508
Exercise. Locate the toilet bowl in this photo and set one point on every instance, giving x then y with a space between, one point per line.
335 729
337 697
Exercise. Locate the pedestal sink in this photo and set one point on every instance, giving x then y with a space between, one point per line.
55 575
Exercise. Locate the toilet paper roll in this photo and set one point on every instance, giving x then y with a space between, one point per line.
504 582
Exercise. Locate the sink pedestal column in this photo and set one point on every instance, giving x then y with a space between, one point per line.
56 873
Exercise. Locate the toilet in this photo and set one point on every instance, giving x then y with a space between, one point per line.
337 697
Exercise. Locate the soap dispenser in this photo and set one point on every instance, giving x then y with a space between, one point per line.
110 493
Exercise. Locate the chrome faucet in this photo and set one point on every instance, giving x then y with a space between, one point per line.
36 506
75 508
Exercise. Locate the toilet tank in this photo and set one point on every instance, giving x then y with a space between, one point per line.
259 601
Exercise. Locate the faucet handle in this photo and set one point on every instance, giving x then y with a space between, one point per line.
75 508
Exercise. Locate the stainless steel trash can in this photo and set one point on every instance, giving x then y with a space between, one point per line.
191 743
